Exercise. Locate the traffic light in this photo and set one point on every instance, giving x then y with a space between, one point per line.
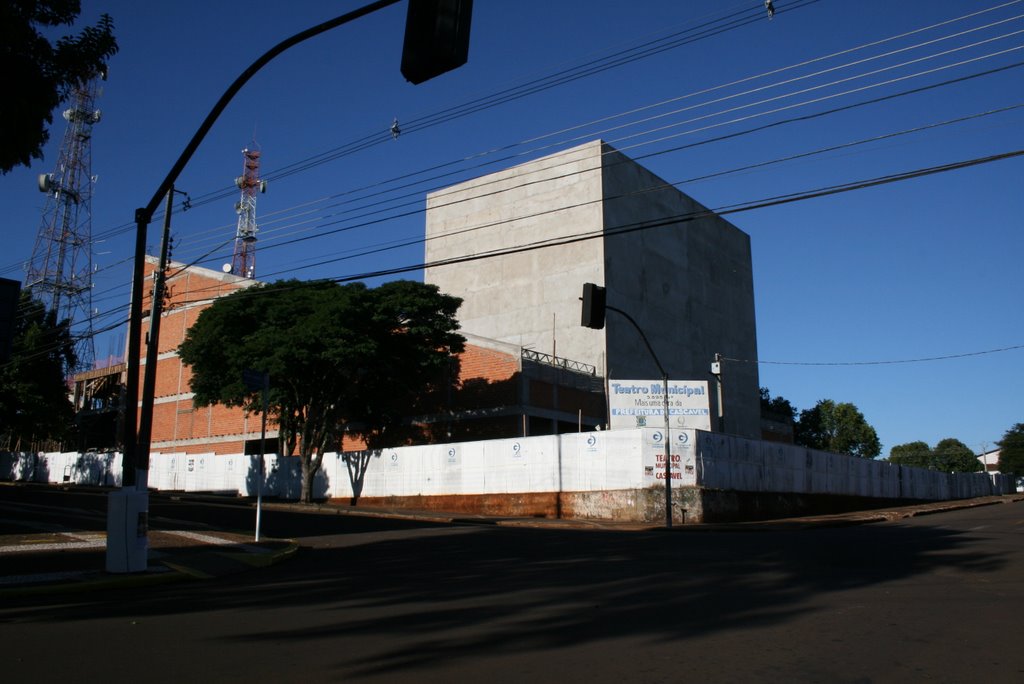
436 38
593 306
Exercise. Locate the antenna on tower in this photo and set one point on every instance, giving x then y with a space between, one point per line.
60 271
243 263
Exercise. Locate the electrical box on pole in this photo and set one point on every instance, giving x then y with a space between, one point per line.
593 306
436 38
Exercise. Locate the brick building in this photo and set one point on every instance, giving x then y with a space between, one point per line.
502 390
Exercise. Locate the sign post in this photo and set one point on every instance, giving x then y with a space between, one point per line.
254 380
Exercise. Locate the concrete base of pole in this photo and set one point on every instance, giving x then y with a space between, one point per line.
127 531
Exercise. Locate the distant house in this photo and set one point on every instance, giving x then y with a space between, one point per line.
990 461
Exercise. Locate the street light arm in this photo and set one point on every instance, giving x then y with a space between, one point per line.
665 409
233 89
642 336
136 457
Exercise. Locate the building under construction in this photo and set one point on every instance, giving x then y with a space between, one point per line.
529 368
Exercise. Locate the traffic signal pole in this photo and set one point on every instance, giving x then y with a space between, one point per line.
592 316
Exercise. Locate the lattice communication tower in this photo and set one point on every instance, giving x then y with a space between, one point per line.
60 272
243 263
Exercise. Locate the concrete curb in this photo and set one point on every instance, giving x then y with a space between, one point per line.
208 563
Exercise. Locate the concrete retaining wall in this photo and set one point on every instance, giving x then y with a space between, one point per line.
737 464
607 475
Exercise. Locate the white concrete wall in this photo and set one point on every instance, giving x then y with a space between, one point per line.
98 469
585 462
732 463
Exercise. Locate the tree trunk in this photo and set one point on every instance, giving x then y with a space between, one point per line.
306 492
310 466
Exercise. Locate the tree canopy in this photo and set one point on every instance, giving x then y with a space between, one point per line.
837 427
953 456
950 455
776 406
34 405
1011 450
40 75
341 358
915 454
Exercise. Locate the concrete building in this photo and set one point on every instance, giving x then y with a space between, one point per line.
529 368
591 214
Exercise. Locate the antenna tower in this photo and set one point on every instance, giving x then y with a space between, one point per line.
60 272
243 263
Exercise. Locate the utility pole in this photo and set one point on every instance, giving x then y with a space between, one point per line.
716 370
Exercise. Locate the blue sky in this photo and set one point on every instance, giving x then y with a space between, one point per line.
854 291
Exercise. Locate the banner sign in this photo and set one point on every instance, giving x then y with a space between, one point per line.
641 403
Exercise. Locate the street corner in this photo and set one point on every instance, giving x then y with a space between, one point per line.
41 565
208 555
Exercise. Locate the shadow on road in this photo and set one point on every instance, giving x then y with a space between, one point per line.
461 591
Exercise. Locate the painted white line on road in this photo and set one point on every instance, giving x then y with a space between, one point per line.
218 541
55 546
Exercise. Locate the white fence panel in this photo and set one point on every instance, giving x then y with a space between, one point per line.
594 461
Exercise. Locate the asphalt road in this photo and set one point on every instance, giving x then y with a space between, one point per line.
935 598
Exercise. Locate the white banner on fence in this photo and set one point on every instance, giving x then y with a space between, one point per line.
683 466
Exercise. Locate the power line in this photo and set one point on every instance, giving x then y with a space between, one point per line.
727 136
383 137
925 359
674 221
652 154
126 227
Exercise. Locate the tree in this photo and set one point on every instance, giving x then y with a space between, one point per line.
953 456
914 454
949 456
34 405
40 75
776 406
341 358
1011 450
839 428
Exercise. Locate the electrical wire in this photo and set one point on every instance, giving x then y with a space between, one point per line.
222 244
736 14
926 359
679 219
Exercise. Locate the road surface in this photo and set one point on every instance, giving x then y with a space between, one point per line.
935 598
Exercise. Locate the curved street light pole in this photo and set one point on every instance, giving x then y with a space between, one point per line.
136 455
664 394
127 513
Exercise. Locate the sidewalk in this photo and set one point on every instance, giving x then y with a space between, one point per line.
75 561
